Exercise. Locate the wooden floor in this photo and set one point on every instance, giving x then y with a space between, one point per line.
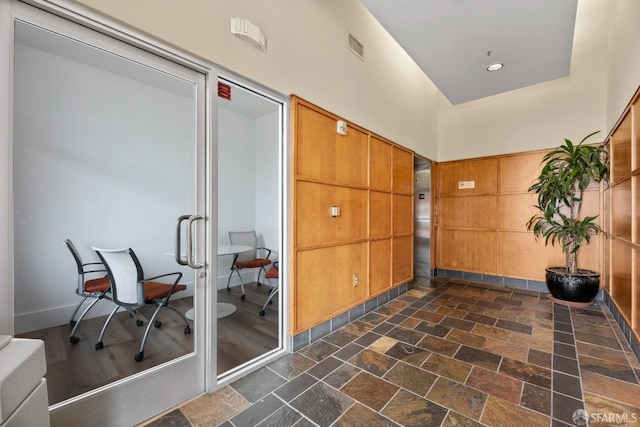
73 369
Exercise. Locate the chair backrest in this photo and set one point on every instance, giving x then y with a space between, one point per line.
79 265
125 274
246 238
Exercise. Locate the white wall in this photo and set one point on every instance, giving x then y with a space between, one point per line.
99 158
623 59
307 55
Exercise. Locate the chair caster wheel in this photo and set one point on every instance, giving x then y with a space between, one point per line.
99 345
243 297
138 357
228 289
74 340
187 330
261 312
139 323
72 323
270 302
259 284
157 324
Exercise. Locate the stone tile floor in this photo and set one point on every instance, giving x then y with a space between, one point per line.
446 353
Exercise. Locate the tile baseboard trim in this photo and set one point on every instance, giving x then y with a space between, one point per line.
309 336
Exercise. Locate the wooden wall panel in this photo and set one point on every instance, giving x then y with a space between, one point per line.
635 135
621 210
380 266
380 214
468 251
402 214
314 223
402 259
402 171
325 276
517 172
483 171
621 151
621 276
324 155
474 213
380 154
514 211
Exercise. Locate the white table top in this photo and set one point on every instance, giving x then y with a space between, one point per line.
233 249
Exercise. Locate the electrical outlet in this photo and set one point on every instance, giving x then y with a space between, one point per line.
355 280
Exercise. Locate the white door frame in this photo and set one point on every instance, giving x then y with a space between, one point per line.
129 400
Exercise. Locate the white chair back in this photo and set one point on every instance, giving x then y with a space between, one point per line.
125 273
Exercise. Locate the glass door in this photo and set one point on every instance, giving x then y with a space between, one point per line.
109 149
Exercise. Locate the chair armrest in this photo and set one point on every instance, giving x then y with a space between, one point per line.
268 251
149 279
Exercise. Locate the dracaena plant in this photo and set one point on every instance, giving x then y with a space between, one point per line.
567 171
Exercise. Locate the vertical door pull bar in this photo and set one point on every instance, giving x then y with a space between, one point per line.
178 254
192 263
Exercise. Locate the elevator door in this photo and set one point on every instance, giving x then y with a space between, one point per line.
422 217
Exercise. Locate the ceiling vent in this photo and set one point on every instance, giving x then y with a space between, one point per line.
356 47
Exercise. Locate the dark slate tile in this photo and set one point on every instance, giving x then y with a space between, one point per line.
342 375
325 367
283 417
411 410
397 319
408 336
564 408
608 369
339 321
564 338
340 338
563 327
383 328
478 357
367 339
433 329
453 322
321 404
566 365
291 365
258 384
295 387
319 350
567 384
258 411
348 351
322 330
480 318
565 350
356 312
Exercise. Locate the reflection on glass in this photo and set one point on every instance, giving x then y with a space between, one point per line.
103 155
249 136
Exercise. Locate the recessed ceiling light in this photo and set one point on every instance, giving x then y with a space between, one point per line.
495 67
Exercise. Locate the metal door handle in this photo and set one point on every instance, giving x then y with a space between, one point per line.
178 238
190 261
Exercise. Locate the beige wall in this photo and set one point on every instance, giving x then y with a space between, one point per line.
307 55
388 94
623 59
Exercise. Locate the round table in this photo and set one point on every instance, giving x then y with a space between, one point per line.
223 250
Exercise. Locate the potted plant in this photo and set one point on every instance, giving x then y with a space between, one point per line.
566 172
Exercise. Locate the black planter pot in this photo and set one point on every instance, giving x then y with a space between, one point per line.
581 287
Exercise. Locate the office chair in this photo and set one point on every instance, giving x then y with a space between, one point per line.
130 290
97 289
249 259
273 273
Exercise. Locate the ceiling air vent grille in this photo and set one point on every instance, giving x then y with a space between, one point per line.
356 47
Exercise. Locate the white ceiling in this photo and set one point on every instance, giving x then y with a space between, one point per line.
453 41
